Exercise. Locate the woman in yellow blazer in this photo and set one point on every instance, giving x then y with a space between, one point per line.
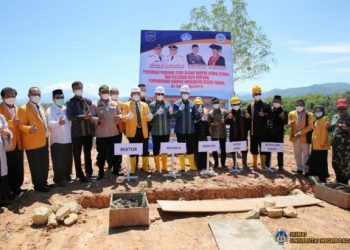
320 145
136 115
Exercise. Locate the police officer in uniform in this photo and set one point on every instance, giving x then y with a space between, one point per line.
157 59
173 58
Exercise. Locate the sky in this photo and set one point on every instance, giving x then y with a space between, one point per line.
50 44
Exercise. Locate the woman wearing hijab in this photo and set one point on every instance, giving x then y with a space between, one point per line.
320 145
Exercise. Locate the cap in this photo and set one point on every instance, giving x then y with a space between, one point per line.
133 90
57 92
215 100
277 98
158 46
172 46
342 103
215 46
103 87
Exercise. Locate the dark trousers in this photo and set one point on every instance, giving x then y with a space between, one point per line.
119 158
222 154
157 140
38 160
319 164
280 155
189 139
105 152
200 157
140 139
79 143
15 169
255 144
62 161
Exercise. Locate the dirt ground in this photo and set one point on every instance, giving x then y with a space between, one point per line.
166 231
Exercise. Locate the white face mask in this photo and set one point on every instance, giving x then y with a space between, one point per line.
10 101
185 96
318 114
105 96
216 106
276 105
299 108
136 98
236 107
160 97
78 92
114 97
35 99
257 97
143 93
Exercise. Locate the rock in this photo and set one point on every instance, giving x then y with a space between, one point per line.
253 214
270 204
74 207
296 191
71 219
261 208
56 205
52 222
41 215
274 212
62 212
290 212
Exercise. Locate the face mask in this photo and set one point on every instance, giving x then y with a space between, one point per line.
35 99
318 114
276 105
105 96
114 97
185 96
143 93
59 102
216 106
160 97
257 97
10 101
299 108
136 98
236 107
78 92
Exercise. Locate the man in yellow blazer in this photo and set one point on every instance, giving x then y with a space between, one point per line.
14 154
299 128
136 115
34 130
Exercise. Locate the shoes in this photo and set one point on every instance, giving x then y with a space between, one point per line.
42 189
100 177
83 179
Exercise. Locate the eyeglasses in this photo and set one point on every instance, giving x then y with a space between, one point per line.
35 94
160 94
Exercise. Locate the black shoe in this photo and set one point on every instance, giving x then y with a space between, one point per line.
83 179
42 189
89 176
100 177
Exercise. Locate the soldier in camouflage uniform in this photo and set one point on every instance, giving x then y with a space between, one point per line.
340 126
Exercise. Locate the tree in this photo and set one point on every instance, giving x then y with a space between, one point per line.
251 48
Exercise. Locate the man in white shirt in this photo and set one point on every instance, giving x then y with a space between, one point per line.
60 139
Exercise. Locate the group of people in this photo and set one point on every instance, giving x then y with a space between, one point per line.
68 128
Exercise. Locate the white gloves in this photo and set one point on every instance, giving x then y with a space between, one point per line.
129 116
160 111
149 116
182 107
204 118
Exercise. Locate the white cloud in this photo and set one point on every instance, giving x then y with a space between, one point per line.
339 48
334 60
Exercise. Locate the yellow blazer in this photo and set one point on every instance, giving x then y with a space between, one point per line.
320 140
28 117
293 119
121 125
17 137
132 123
